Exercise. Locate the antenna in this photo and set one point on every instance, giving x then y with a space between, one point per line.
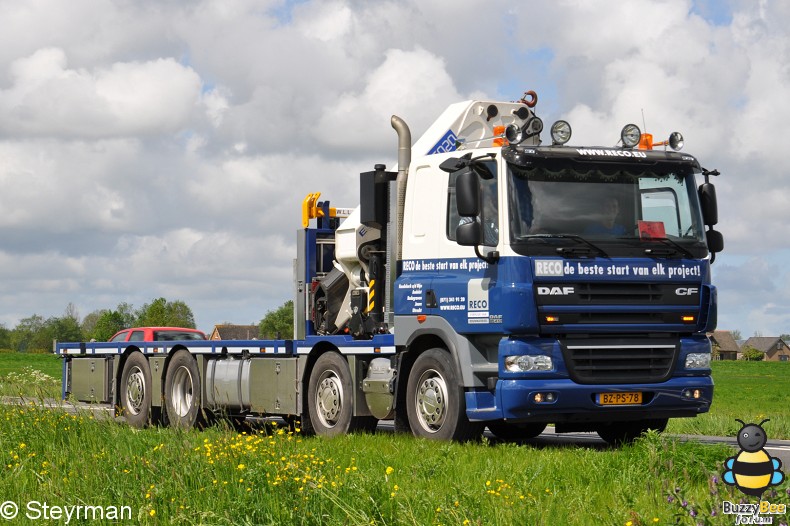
644 125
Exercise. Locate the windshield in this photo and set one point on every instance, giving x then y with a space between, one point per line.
608 208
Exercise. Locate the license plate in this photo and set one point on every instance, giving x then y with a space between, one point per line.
620 398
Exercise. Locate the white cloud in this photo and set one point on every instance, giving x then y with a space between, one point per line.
412 84
48 99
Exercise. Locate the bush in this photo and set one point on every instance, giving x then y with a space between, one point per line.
751 354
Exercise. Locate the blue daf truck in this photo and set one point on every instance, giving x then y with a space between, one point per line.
492 280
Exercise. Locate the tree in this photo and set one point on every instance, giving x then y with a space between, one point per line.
751 354
29 335
278 323
5 337
65 329
163 313
89 321
785 337
109 322
736 335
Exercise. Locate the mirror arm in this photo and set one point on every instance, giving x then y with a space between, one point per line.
490 258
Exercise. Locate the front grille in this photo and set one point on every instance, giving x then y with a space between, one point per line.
629 293
608 364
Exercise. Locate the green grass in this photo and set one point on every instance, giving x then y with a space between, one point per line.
217 476
30 374
750 391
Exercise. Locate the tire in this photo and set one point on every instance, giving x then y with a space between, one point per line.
136 390
182 391
435 402
505 431
618 433
329 397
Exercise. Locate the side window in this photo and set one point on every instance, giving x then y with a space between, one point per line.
137 336
489 216
121 337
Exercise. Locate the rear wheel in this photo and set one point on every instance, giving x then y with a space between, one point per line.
618 433
182 391
506 431
136 390
435 399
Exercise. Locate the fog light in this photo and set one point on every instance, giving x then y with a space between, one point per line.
698 360
544 398
695 394
526 363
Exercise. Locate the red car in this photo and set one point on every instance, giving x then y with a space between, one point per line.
157 334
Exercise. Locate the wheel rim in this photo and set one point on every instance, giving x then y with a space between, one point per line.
182 391
135 391
329 398
431 400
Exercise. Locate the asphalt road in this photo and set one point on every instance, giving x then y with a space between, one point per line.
776 448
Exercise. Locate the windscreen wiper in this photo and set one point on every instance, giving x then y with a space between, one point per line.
569 250
673 247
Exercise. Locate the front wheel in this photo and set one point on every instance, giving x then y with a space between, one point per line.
136 390
182 391
617 433
435 399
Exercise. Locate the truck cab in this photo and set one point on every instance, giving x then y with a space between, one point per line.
570 285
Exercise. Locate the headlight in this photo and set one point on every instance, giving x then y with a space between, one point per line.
526 363
630 135
560 132
698 360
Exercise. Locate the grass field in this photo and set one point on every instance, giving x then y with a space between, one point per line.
218 476
750 391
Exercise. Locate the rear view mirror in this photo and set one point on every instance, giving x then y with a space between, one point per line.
707 199
467 193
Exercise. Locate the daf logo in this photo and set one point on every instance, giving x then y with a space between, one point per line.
686 291
555 291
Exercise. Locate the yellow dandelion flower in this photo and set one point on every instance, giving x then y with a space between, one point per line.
152 513
390 470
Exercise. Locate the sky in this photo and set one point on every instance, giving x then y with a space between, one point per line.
163 148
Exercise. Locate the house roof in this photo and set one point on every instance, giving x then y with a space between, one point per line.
235 332
762 343
725 341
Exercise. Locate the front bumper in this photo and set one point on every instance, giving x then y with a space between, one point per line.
514 400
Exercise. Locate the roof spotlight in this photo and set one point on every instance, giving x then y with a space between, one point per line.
676 141
560 133
630 135
515 134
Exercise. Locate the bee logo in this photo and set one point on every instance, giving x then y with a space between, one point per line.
753 470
